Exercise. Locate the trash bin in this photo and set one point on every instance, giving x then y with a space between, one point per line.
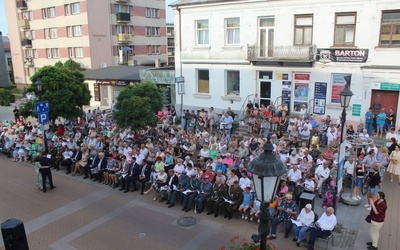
306 198
14 236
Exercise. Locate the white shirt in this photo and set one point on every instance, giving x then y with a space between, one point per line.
244 182
309 185
178 169
327 222
389 136
349 167
306 218
294 175
324 172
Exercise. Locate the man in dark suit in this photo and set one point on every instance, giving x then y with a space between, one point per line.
133 175
93 161
172 182
76 156
145 172
44 169
99 167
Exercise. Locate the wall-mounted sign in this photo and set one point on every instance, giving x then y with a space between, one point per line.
320 98
96 92
356 110
390 86
112 82
342 55
339 81
301 83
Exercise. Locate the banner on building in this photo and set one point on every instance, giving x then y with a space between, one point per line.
286 93
342 55
301 84
338 83
320 98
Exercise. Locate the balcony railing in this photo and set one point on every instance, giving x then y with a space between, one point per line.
124 38
281 53
123 17
171 44
21 4
26 43
121 1
23 24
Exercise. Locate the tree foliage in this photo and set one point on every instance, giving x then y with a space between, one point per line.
63 88
6 97
137 106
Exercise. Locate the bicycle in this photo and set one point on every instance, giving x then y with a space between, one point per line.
365 183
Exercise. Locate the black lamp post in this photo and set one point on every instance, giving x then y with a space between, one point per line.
267 170
39 87
345 97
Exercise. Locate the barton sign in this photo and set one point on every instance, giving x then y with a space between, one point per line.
342 55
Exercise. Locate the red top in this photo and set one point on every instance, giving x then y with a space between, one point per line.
381 208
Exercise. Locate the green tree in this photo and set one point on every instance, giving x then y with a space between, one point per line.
72 65
64 89
137 106
6 97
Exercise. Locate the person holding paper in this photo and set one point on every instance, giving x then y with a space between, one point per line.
323 227
302 224
288 211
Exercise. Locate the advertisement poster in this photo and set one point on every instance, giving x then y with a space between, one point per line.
320 98
338 83
301 83
286 93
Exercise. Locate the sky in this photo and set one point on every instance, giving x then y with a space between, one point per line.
4 29
3 23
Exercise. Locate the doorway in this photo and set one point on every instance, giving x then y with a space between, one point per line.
264 87
384 99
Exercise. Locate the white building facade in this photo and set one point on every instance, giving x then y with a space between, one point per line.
289 51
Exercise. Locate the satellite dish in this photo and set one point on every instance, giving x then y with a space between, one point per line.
29 37
103 65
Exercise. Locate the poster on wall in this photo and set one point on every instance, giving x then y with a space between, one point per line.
96 92
286 93
301 83
320 98
338 83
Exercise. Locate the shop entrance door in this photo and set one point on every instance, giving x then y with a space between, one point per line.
265 93
384 99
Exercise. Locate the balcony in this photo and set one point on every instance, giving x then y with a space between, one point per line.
22 5
171 44
281 54
29 62
171 53
123 17
121 1
23 24
124 38
26 43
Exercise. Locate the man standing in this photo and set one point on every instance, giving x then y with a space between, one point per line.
16 113
227 121
44 169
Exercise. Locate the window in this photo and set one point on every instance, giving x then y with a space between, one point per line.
203 81
266 36
53 32
25 15
67 8
55 52
123 29
345 27
48 53
149 49
76 8
148 12
79 52
35 53
154 13
148 31
155 31
202 32
31 71
52 12
69 31
71 53
33 32
77 30
153 49
232 31
44 13
29 53
30 15
232 82
119 8
303 30
46 33
9 61
390 29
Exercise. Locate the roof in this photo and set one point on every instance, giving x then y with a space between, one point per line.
123 73
192 2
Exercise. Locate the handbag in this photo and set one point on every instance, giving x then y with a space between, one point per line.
368 219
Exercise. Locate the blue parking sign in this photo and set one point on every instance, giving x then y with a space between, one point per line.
43 118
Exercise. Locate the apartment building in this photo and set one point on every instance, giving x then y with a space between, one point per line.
4 53
170 44
291 51
95 33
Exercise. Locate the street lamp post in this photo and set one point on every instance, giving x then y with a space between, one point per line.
267 170
345 97
39 88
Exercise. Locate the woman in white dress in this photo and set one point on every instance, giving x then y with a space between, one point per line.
394 165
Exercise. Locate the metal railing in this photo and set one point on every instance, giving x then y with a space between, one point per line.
281 53
242 111
123 17
124 38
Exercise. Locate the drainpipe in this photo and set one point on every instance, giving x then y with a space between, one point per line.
180 55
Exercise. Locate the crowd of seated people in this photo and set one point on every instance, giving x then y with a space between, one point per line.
191 165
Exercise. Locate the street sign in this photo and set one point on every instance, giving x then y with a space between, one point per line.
43 117
42 107
179 79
